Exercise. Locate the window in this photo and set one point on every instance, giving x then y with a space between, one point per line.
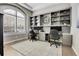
9 23
20 22
10 11
20 15
14 21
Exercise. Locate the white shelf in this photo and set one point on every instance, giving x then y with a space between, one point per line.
66 34
49 25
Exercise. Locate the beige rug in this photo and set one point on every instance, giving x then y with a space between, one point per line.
37 48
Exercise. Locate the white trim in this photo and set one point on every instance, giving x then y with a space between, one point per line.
75 51
14 40
26 6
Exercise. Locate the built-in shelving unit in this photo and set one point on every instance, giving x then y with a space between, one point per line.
65 17
37 21
55 18
32 21
60 18
41 20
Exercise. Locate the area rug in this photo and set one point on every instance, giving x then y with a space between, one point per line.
37 48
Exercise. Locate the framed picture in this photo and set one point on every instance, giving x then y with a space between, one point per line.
46 19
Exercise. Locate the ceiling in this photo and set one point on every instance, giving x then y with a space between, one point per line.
36 6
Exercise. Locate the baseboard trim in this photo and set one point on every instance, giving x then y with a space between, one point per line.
15 40
75 51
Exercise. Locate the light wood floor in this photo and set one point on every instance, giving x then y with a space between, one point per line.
9 51
68 51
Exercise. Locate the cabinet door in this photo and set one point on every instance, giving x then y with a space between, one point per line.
42 36
67 40
1 34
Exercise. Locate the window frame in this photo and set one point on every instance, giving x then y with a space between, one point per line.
15 29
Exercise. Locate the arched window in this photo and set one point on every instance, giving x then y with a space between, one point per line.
10 11
14 21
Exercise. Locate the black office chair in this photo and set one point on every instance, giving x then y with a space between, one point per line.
54 38
32 35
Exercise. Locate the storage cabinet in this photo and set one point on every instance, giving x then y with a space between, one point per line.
67 39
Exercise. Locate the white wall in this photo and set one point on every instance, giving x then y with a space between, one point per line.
74 29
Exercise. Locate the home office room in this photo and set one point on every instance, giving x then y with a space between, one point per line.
39 29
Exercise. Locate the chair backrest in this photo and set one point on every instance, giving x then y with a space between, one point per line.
54 34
